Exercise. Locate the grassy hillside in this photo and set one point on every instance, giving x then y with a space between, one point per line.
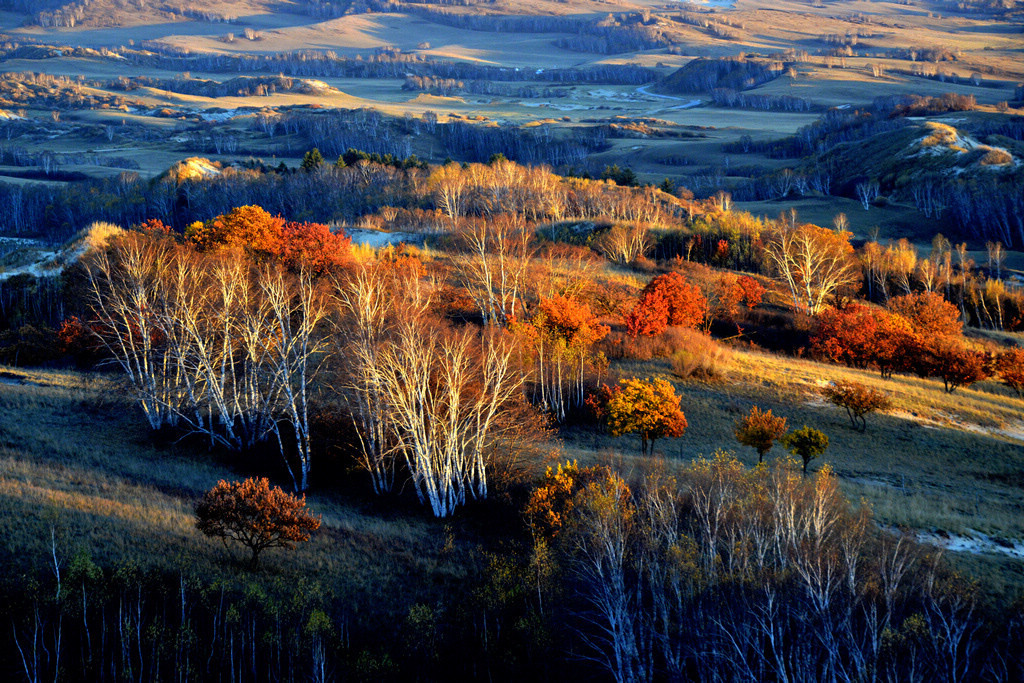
77 460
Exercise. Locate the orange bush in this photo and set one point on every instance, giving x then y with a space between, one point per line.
553 500
957 365
857 399
667 300
861 335
753 291
254 230
1010 366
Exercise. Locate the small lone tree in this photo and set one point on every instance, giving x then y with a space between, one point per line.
255 515
858 400
759 430
647 408
806 442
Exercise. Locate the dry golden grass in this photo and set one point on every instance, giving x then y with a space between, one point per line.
937 461
76 458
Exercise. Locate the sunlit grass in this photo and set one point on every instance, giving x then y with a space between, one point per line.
937 461
77 458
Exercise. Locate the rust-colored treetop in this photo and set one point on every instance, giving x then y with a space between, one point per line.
252 229
759 430
253 513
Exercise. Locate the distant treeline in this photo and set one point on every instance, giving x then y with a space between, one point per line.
382 64
333 194
837 126
727 97
56 92
16 155
987 205
333 133
243 86
614 33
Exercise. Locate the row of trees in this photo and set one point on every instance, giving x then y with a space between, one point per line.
919 334
717 571
232 334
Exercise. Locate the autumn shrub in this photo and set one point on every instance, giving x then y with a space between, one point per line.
252 229
697 355
753 291
255 515
667 300
77 341
724 296
929 313
857 399
759 430
648 317
862 335
953 362
553 499
1010 366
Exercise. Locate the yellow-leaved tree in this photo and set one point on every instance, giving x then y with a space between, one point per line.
648 408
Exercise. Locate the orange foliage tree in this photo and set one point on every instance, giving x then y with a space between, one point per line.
552 502
1010 366
649 317
759 430
861 335
561 335
857 399
957 365
255 515
647 408
753 291
929 313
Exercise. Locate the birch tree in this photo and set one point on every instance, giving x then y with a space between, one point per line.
296 311
371 300
814 262
500 250
444 390
123 286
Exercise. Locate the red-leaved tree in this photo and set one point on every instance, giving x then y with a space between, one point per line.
682 303
252 513
929 313
1010 366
